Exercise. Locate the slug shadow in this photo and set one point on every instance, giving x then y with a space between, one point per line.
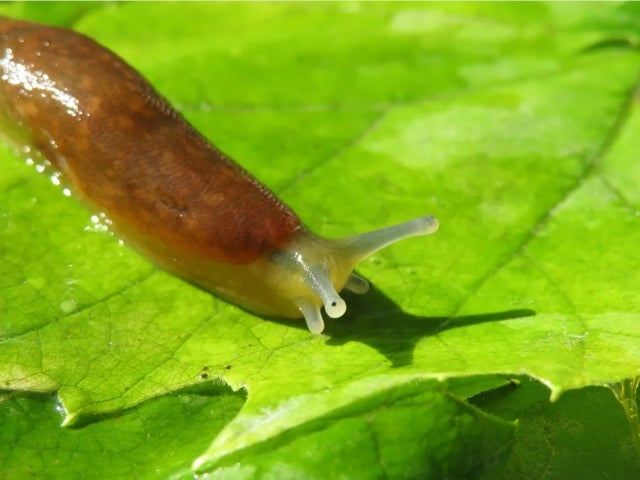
375 320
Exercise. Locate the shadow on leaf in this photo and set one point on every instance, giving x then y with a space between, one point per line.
375 320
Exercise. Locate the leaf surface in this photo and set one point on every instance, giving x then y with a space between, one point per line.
514 125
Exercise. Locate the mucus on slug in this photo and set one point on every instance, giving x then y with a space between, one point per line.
167 191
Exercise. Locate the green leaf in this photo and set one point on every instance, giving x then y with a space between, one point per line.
515 125
583 435
159 437
407 432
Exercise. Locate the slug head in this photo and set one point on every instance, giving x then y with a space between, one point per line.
312 270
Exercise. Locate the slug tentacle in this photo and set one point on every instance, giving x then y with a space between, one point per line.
361 246
357 284
312 316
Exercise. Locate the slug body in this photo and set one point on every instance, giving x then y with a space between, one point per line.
164 188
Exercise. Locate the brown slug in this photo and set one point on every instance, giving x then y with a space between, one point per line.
165 189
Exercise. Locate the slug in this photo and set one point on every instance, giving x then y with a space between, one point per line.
168 192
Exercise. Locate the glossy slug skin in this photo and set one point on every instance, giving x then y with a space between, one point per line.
165 189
